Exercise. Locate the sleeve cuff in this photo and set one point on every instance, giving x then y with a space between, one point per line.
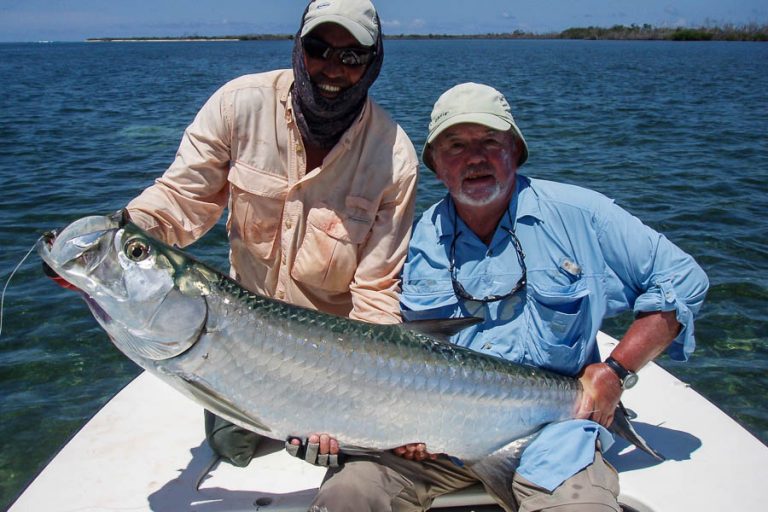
663 297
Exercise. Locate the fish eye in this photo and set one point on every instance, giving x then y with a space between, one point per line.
136 250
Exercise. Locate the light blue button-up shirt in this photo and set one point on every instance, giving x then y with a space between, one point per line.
586 259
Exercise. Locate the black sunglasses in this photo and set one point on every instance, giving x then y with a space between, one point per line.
459 290
353 56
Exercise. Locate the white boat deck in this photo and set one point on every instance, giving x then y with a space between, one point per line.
146 450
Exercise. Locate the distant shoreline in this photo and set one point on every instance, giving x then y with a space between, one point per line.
750 32
159 39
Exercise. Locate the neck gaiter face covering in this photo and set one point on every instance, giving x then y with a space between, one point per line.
321 120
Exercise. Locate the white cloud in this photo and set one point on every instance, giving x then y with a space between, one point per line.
391 23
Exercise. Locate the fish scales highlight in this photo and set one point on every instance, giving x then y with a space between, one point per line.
284 370
300 372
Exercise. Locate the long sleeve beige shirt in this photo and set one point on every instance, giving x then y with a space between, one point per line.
333 238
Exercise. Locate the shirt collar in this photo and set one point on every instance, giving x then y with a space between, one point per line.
527 200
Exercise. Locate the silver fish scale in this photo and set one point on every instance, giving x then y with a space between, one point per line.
297 371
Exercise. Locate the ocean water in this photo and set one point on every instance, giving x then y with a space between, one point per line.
677 133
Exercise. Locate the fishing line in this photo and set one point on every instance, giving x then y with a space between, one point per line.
2 297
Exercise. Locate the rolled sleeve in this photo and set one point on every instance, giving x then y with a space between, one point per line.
680 286
657 275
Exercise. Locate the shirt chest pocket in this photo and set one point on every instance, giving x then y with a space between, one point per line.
256 208
328 255
559 323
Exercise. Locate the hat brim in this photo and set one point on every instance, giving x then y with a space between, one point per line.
490 120
358 31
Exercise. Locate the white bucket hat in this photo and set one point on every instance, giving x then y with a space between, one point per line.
357 16
472 103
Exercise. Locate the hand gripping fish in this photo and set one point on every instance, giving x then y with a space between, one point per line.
287 371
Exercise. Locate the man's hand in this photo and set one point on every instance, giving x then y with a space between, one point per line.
601 394
414 451
320 450
647 337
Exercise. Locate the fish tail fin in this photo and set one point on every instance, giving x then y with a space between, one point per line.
622 427
498 469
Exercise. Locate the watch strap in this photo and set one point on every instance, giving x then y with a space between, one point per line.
618 369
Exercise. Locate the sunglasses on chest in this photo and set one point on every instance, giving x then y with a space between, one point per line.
458 288
352 56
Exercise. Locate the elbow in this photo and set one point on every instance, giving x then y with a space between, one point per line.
698 290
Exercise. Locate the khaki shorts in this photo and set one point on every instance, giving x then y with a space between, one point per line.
390 483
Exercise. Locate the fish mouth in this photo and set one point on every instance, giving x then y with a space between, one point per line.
69 255
78 240
44 245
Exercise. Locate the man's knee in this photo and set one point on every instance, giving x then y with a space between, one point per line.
358 486
232 443
593 489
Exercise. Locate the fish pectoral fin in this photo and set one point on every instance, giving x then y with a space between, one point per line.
221 406
442 328
497 470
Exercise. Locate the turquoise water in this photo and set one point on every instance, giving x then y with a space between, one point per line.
677 133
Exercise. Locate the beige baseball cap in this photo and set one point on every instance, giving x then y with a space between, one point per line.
357 16
472 103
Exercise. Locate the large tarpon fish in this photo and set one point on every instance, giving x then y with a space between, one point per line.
287 371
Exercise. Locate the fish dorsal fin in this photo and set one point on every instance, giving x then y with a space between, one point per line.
442 328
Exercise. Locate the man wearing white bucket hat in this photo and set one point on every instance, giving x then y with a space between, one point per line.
319 181
543 263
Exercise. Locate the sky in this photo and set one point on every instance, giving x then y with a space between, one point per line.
76 20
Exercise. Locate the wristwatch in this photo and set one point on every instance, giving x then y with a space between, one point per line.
627 378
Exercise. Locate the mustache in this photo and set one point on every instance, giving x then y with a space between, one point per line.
474 171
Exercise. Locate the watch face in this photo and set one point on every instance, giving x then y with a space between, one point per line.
630 380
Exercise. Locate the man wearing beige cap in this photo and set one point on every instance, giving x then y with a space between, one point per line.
319 181
543 263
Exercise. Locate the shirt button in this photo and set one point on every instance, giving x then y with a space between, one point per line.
288 224
487 346
280 294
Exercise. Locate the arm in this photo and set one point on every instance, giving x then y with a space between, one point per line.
375 287
647 337
666 289
189 198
